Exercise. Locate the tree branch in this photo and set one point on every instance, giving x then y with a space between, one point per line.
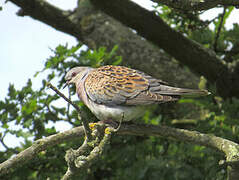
2 136
79 160
38 146
197 5
183 135
229 148
219 29
96 29
199 59
84 121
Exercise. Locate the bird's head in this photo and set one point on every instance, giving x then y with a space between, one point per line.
75 74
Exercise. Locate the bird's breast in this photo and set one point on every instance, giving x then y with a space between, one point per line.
115 113
105 112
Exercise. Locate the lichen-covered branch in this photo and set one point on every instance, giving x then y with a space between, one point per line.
226 146
80 159
38 146
229 148
197 5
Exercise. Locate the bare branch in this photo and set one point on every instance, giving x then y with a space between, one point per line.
84 121
211 141
2 136
219 29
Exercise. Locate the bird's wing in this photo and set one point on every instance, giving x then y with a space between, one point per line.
115 85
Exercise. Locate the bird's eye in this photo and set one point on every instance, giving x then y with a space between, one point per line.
73 74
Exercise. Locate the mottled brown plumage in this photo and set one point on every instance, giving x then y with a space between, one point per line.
111 91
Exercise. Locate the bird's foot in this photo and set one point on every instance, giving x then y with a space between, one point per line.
113 124
110 122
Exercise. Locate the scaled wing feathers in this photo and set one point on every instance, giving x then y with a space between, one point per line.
115 85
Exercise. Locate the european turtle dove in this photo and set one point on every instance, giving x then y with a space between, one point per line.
113 92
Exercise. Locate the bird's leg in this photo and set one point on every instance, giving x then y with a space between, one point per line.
120 123
114 124
110 122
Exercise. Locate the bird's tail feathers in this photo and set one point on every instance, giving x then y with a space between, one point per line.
183 92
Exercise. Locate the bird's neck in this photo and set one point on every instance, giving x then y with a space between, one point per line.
80 88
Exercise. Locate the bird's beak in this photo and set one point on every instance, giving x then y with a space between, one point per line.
67 83
65 86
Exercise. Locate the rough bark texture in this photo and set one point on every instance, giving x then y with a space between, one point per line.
102 30
227 147
38 146
150 26
94 28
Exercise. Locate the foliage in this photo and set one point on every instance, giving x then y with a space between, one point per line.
210 33
29 111
25 114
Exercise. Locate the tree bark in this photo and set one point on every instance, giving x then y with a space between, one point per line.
201 60
226 147
95 29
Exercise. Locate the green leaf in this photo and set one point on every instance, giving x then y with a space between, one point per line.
12 91
5 126
29 107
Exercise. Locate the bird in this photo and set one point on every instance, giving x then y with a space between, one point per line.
120 94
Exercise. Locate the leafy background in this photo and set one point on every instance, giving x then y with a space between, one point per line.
126 157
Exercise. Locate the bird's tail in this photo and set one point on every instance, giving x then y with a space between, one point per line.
182 92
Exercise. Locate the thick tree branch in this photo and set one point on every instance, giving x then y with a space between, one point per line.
89 152
96 29
197 5
211 141
38 146
199 59
229 148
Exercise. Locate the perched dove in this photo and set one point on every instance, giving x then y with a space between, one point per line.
119 93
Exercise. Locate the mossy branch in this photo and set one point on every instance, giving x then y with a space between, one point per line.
229 148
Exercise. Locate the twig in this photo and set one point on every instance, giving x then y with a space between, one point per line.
84 121
219 29
5 146
2 141
63 96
